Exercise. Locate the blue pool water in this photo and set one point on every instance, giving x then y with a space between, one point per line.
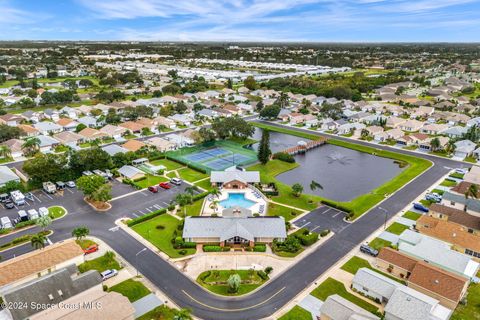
236 200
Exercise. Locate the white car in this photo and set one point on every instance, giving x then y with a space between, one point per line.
70 184
107 274
176 181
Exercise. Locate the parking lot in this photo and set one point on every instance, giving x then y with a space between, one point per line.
322 218
146 201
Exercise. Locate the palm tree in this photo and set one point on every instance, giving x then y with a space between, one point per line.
38 241
43 222
450 147
315 185
215 192
31 145
472 192
5 151
190 190
80 232
214 205
435 144
183 199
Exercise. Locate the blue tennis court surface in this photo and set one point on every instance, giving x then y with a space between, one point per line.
218 158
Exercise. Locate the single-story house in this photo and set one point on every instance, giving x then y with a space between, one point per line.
68 137
434 128
179 140
113 149
89 121
161 144
182 119
7 175
47 127
464 148
411 125
47 143
15 146
234 230
461 217
166 122
131 172
131 126
455 132
67 124
233 178
90 134
337 308
133 145
114 132
29 130
11 120
374 285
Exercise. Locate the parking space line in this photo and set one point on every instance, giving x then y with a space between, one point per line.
145 194
336 214
47 194
141 212
157 206
314 228
326 210
70 191
133 214
1 205
306 224
165 203
148 209
36 198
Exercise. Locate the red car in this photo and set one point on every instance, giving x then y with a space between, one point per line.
93 248
165 185
153 189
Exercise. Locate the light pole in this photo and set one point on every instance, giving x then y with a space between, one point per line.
136 258
386 212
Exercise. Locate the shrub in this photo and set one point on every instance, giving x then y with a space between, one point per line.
178 241
324 232
204 276
189 245
260 248
160 227
262 274
171 207
146 217
291 244
268 270
182 252
283 156
306 237
212 248
336 205
24 224
105 287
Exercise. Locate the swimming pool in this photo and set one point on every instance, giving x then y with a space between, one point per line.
236 200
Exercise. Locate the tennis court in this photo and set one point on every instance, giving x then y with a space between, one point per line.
217 157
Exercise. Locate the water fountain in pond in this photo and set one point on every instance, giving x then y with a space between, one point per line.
338 157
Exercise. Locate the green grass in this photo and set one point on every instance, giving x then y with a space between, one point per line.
129 136
331 286
133 290
216 281
412 215
359 205
191 175
9 83
6 159
457 175
440 192
105 262
150 180
285 212
472 309
397 228
205 184
287 131
356 263
85 243
296 313
192 209
169 164
161 238
56 212
448 183
425 202
61 148
85 145
379 243
470 159
160 313
243 142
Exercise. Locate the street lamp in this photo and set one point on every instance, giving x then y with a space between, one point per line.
136 258
386 212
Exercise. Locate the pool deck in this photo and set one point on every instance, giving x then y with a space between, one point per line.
249 195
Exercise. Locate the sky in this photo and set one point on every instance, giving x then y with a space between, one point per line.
242 20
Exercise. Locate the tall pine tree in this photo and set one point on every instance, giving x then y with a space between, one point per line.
264 151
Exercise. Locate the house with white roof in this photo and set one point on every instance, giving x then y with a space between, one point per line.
464 148
232 178
47 143
7 175
113 149
47 127
337 308
131 172
182 119
179 140
455 132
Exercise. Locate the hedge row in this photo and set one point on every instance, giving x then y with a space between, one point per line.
186 163
283 156
306 237
336 205
146 217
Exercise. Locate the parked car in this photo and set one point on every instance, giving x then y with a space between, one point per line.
60 185
107 274
22 216
29 196
420 207
434 197
9 205
461 170
70 184
5 223
42 211
176 181
87 173
91 249
4 197
153 189
368 250
164 185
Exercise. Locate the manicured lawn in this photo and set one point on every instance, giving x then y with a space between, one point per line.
331 286
426 202
397 228
412 215
286 131
205 184
105 262
470 159
150 180
192 209
56 212
133 290
85 243
472 309
161 238
277 210
216 281
191 175
61 148
5 160
296 313
379 243
169 164
359 205
440 192
356 263
243 142
85 145
129 136
457 175
448 183
160 313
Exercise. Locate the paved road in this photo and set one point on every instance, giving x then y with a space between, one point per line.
277 292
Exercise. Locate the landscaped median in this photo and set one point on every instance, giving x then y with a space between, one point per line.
220 281
414 166
21 240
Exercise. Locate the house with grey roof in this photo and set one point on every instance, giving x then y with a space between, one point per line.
338 308
89 121
7 175
50 289
233 178
464 148
458 201
437 253
47 143
47 127
130 172
455 132
374 285
113 149
408 304
234 230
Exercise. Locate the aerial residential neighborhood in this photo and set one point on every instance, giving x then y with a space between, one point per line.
296 160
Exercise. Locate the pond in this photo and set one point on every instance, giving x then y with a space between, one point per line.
344 173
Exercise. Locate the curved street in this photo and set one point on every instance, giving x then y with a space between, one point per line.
272 296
